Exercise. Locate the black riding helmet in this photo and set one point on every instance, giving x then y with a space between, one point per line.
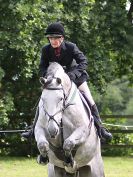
55 29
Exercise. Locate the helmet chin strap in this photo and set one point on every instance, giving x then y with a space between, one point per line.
61 39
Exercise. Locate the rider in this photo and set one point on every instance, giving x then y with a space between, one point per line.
68 55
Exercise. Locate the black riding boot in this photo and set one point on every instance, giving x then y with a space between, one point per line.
30 131
103 133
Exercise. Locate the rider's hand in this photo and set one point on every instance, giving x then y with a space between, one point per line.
72 76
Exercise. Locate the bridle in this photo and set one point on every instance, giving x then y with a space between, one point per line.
51 117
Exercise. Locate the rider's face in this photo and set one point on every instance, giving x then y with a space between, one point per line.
56 41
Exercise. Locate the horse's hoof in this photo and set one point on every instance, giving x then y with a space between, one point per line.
68 164
68 145
71 168
42 160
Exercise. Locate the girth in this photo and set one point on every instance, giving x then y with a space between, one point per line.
59 152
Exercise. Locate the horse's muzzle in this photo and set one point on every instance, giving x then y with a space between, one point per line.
53 133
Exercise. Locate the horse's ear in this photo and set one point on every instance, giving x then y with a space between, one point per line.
58 80
43 80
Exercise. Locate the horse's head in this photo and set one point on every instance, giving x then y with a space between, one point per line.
56 87
53 98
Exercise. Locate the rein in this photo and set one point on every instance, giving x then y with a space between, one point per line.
65 106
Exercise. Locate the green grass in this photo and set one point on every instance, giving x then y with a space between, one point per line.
21 167
118 166
27 167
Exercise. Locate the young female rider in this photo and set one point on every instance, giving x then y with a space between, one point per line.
66 54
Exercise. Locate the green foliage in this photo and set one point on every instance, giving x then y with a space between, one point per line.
117 100
1 74
119 139
6 106
111 30
129 107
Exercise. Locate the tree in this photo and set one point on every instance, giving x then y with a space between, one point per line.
22 36
100 28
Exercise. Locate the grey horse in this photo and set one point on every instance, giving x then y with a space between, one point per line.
65 131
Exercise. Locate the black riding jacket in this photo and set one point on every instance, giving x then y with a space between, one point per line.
71 58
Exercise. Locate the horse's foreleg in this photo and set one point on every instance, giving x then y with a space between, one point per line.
86 172
78 137
42 143
60 172
51 172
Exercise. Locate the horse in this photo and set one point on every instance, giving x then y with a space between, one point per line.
65 131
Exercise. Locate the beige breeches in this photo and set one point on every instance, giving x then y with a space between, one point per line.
84 87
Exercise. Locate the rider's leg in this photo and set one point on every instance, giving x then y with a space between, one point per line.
103 132
30 132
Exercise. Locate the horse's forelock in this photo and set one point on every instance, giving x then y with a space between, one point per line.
49 81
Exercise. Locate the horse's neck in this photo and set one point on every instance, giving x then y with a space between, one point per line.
66 82
75 114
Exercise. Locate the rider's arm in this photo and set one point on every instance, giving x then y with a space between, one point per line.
44 61
81 61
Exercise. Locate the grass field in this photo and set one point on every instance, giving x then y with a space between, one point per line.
27 167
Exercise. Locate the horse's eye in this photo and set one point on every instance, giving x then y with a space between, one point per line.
61 99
